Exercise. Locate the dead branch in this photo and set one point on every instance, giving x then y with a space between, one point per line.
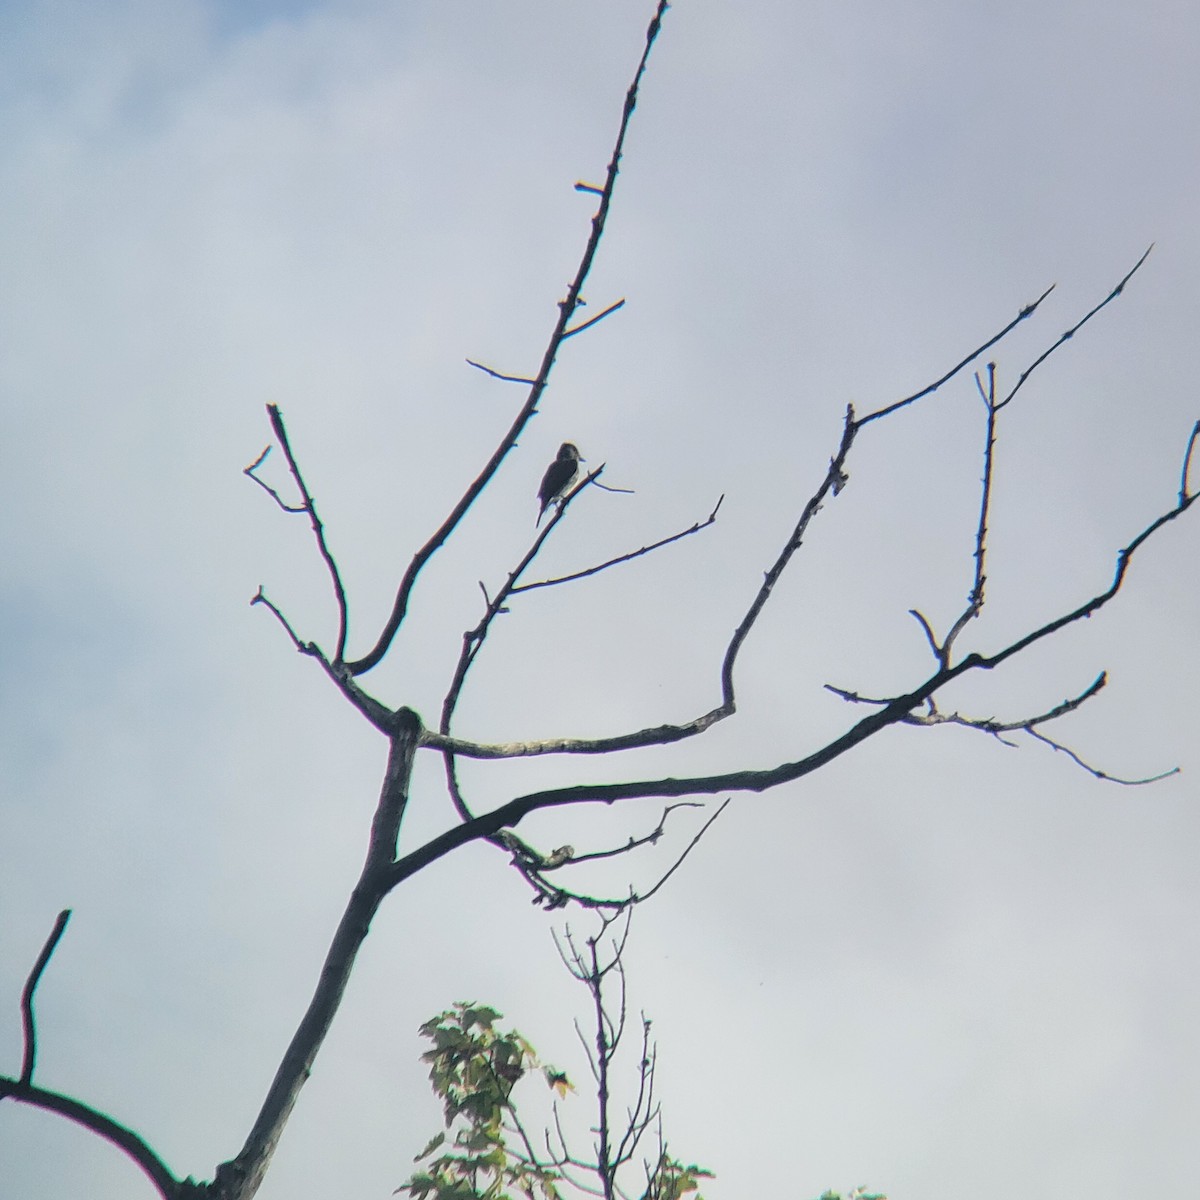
379 715
1102 775
566 310
28 1025
612 308
266 487
892 712
318 527
242 1176
104 1127
929 389
91 1119
975 599
1070 333
531 864
1184 489
498 375
622 558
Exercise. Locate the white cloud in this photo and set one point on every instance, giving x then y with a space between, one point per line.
942 966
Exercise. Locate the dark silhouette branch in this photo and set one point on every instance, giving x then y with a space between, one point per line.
497 375
1124 557
894 711
379 715
533 865
975 599
28 1025
686 851
24 1091
566 310
650 839
473 639
266 487
1023 315
612 308
622 558
308 506
1102 775
834 481
1184 489
927 629
934 716
104 1127
1070 333
241 1177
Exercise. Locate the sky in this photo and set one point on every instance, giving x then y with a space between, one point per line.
941 966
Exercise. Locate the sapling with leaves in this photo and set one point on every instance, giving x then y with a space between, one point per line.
488 1149
476 1067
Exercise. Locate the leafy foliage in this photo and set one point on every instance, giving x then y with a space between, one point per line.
474 1068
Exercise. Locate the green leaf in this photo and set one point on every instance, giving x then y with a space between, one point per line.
434 1143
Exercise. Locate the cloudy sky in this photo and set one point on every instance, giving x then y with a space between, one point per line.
942 966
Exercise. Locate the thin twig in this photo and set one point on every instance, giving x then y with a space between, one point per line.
382 717
891 713
566 310
29 1027
688 849
1104 775
1023 315
266 487
339 592
497 375
928 630
975 599
650 839
473 639
1184 490
1070 333
613 562
834 480
612 308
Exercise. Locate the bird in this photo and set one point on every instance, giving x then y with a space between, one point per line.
559 476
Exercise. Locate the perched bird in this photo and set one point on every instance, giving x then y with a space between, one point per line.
559 476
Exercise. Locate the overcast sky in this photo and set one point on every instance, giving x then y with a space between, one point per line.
943 966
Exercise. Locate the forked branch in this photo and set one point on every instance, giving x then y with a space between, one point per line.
562 330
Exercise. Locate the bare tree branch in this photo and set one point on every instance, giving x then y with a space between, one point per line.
1104 775
566 310
1070 333
1184 489
498 375
975 599
28 1025
612 308
1023 315
990 725
532 865
649 839
242 1176
622 558
379 715
834 480
687 850
104 1127
309 506
266 487
892 712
